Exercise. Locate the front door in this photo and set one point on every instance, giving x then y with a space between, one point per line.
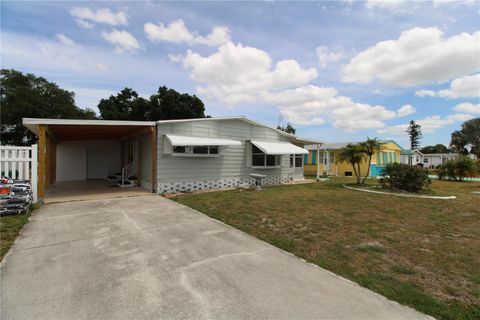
298 166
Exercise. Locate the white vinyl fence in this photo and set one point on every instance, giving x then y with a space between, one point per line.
20 163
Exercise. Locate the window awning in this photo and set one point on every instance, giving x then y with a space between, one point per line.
197 141
278 147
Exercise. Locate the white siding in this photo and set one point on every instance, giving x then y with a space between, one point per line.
81 160
231 164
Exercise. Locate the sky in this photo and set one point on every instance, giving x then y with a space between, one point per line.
337 70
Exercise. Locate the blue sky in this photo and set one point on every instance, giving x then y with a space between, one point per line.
338 70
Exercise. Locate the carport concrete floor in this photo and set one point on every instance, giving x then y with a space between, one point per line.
147 257
63 191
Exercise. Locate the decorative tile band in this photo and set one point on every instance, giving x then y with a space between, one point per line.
232 183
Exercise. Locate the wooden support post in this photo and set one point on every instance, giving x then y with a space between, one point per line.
154 159
318 161
42 146
138 159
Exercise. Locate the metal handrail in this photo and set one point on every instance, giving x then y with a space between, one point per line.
128 171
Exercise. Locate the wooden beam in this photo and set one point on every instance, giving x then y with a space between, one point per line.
154 160
138 159
52 135
42 146
136 133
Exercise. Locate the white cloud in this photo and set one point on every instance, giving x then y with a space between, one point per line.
406 110
310 105
429 124
237 73
175 57
438 3
85 17
32 53
64 39
468 108
177 32
122 40
418 56
84 24
425 93
384 4
465 87
326 56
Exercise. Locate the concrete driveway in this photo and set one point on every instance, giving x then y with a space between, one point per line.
148 257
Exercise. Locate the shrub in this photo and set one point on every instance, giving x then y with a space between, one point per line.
404 177
458 169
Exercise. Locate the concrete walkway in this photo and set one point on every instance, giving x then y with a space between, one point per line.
148 257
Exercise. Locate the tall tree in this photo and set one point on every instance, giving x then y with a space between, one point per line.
414 131
369 148
28 96
438 148
288 128
164 105
469 134
126 105
169 104
353 154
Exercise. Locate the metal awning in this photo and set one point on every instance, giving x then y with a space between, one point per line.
197 141
278 147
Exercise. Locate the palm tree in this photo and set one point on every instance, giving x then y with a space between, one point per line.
353 154
369 148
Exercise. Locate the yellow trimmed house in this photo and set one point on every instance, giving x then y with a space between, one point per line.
328 155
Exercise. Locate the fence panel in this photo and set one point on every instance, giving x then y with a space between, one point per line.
20 163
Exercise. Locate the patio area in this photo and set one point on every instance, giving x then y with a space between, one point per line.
89 190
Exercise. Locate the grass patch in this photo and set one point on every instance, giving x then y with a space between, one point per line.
372 239
10 227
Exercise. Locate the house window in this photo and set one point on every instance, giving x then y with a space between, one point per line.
179 149
260 159
200 150
298 160
195 150
425 160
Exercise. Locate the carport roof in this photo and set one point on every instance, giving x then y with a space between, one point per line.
70 129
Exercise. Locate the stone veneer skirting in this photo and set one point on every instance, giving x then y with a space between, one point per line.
230 183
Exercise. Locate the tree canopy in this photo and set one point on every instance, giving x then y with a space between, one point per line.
288 128
469 134
28 96
438 148
353 153
165 104
414 131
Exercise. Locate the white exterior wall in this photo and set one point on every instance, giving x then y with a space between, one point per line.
227 170
81 160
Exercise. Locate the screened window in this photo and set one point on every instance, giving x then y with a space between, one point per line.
200 150
260 159
298 158
323 158
195 150
179 149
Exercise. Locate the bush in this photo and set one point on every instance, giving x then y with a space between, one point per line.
401 176
458 169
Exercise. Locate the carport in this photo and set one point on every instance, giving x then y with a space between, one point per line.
91 159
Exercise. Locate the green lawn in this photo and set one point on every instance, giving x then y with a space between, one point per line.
420 252
10 226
